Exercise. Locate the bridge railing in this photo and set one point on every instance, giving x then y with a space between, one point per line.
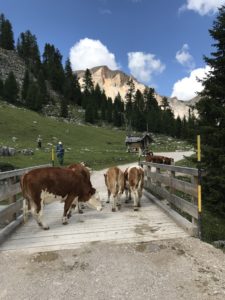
11 201
174 189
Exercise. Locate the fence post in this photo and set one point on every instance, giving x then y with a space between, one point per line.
171 189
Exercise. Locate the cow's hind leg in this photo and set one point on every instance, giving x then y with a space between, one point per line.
114 203
109 193
37 213
135 196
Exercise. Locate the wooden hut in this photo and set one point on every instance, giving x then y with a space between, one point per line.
134 143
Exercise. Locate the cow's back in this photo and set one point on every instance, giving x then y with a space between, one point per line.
115 180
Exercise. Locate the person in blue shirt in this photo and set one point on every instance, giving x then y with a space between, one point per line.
60 153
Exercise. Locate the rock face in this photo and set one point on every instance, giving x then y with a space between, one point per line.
114 82
11 62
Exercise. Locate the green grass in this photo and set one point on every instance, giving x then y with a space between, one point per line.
99 147
213 226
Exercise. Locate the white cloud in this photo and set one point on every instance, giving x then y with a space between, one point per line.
187 87
88 53
203 7
185 58
144 65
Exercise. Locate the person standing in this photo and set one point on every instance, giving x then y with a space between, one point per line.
60 153
39 140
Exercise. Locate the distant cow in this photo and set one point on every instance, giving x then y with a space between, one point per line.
134 178
45 185
114 180
158 159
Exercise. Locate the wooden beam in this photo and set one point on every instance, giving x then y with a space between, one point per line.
7 213
9 228
19 172
9 190
181 221
184 170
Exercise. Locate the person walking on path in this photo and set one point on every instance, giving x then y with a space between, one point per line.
60 153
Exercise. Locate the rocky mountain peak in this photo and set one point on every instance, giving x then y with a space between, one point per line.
115 81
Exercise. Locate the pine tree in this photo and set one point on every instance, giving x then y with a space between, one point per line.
33 97
25 86
63 108
211 109
6 34
42 88
129 97
27 48
1 87
52 67
11 88
72 90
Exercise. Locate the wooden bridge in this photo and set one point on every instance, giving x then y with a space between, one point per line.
170 213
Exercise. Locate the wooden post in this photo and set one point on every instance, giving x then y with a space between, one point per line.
53 156
157 182
199 187
194 200
172 175
11 181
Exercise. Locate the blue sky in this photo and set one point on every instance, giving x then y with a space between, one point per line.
161 42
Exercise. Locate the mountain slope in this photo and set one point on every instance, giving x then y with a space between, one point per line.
114 82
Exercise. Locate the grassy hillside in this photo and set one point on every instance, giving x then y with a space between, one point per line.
99 147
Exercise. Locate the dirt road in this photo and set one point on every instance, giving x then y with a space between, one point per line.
164 270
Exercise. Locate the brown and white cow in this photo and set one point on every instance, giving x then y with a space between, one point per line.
45 185
134 178
158 159
80 167
114 180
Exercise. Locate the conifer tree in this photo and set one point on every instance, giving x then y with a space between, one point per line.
63 108
211 109
25 86
11 88
27 48
52 67
33 97
6 34
1 87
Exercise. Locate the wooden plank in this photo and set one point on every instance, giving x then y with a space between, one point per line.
184 205
159 191
160 177
7 190
183 186
181 221
184 170
18 172
9 228
10 210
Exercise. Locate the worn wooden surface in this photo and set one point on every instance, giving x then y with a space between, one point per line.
148 224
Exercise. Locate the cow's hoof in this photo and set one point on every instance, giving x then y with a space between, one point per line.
80 211
139 204
69 215
64 222
127 201
107 201
119 206
113 209
46 227
82 206
135 208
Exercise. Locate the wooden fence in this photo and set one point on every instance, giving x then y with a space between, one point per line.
11 201
174 189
